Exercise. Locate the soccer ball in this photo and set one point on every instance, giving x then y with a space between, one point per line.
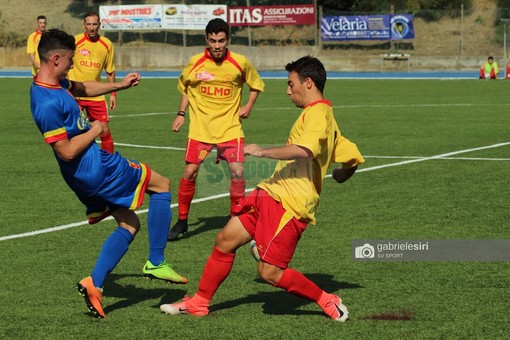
253 250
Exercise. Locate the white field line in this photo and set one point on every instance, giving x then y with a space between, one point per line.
204 199
376 106
149 146
434 157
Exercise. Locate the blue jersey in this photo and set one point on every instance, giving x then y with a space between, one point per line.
98 178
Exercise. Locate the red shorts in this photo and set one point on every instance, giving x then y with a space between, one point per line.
231 151
274 229
96 110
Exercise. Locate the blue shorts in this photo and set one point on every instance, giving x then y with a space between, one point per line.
123 187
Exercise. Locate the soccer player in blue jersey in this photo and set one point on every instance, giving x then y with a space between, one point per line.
105 183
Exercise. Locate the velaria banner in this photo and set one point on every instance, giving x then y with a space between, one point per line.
272 15
368 27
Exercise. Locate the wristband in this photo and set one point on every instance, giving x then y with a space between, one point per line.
181 113
113 94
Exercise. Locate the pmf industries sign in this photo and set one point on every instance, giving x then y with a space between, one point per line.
368 27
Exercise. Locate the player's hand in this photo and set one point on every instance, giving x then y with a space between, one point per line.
97 126
252 150
113 102
178 122
341 175
244 112
131 80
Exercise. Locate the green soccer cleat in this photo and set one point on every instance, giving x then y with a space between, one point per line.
162 272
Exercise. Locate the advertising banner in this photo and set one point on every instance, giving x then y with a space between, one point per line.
140 17
272 15
130 17
191 17
369 27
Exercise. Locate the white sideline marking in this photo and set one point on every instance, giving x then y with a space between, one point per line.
446 158
150 146
375 106
204 199
433 157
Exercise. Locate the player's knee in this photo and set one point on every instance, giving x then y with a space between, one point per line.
269 273
237 171
221 240
237 175
165 184
159 183
190 173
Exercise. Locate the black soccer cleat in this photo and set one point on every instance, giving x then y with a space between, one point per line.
179 228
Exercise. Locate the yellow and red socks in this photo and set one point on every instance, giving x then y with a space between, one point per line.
184 197
216 270
297 284
158 225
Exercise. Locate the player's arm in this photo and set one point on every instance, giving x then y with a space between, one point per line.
97 88
287 152
181 113
342 174
244 112
110 77
67 150
34 62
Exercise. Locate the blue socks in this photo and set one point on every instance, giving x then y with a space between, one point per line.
115 246
158 221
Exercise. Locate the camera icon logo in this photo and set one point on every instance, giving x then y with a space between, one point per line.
365 251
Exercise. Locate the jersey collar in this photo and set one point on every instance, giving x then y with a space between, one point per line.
46 85
322 101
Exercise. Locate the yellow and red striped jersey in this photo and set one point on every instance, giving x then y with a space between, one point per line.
214 91
90 59
32 44
298 183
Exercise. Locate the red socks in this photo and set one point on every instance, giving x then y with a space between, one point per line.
107 142
185 196
297 284
237 187
216 270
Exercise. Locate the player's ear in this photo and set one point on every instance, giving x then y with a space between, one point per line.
55 58
309 83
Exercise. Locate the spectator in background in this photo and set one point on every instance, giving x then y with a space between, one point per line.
93 54
489 69
33 43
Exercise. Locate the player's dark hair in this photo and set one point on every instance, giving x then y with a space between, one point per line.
309 67
90 14
41 17
54 39
216 26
